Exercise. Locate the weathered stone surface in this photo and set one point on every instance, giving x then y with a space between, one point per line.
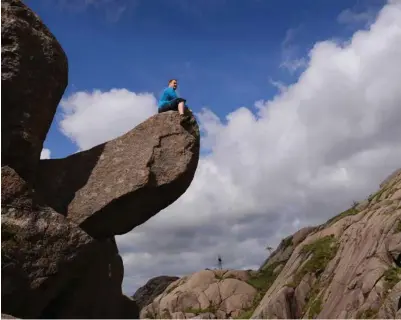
203 294
96 293
155 286
34 75
116 186
356 278
391 307
301 234
6 316
41 250
51 267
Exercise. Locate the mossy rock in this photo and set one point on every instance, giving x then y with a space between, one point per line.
392 276
261 281
350 212
367 314
322 251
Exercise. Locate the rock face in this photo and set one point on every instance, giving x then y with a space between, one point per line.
34 75
40 249
59 258
208 294
116 186
347 268
155 286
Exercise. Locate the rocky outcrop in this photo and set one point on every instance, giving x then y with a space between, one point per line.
155 286
59 258
346 268
208 294
116 186
40 249
34 75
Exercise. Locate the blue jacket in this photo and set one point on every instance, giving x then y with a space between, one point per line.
167 96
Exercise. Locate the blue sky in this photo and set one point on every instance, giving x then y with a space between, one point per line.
324 133
224 53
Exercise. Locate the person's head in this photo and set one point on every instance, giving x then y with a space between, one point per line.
173 83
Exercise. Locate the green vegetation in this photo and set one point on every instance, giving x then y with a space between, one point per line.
367 314
246 314
261 282
313 302
323 251
287 242
378 194
218 277
265 278
315 308
392 277
211 308
350 212
355 204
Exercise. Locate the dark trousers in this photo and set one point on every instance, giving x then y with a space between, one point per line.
172 105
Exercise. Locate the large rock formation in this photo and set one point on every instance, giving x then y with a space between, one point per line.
348 267
34 73
59 256
208 294
40 250
155 286
115 186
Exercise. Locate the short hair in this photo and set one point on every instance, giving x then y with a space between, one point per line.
171 80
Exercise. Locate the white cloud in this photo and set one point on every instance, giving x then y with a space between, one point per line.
45 154
289 52
322 142
349 17
93 118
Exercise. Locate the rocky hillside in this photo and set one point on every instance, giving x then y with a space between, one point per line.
349 267
59 258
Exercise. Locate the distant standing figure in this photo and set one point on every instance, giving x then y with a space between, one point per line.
220 262
169 99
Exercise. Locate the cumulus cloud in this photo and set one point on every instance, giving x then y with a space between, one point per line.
350 17
45 154
321 143
91 118
289 52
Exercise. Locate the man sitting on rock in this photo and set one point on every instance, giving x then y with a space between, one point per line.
169 100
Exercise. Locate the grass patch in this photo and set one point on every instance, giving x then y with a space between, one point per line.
218 277
315 308
350 212
392 277
261 282
313 303
367 314
211 308
287 242
323 251
265 278
377 195
246 314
